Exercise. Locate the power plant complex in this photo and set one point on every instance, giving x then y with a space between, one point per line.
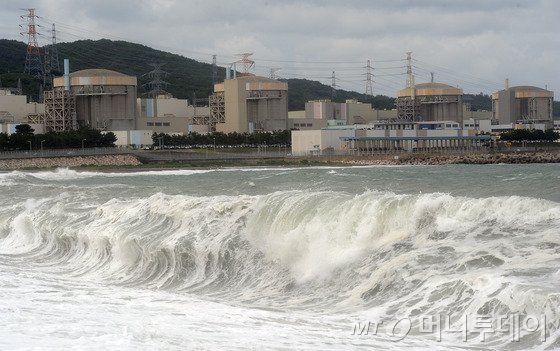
246 103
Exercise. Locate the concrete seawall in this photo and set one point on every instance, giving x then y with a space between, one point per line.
70 161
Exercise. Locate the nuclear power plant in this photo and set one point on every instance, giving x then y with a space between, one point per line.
523 104
104 99
430 102
245 102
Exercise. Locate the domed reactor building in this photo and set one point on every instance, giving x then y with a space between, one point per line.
523 104
104 99
430 102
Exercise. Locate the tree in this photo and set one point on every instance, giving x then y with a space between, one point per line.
24 129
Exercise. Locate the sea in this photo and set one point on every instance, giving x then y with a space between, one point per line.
445 257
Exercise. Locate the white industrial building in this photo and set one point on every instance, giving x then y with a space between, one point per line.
386 137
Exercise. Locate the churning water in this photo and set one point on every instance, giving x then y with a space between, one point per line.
427 257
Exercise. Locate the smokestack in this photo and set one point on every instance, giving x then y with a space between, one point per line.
507 83
66 74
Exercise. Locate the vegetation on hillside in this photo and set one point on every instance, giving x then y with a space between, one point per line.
478 102
24 135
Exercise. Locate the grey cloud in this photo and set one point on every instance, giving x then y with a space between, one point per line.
486 39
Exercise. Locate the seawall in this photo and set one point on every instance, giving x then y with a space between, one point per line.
70 161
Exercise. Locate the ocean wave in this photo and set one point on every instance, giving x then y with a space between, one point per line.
333 251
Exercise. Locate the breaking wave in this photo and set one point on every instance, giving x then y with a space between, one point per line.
318 251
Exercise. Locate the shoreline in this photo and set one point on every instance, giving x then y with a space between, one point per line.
130 162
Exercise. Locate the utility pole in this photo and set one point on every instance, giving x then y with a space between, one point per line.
33 64
369 75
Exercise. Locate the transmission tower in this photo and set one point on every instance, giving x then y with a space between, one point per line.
214 71
369 75
247 63
409 78
55 66
33 64
272 74
333 86
156 84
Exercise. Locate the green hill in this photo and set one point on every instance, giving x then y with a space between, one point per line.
186 76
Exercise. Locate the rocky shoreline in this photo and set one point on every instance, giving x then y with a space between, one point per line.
444 159
71 161
127 160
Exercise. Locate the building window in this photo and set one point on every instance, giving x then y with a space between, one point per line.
157 124
309 125
150 124
166 124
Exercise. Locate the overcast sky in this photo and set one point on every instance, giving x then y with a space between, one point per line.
474 44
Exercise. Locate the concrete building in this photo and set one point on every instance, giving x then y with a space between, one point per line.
135 138
249 103
385 137
322 113
10 128
523 104
430 102
15 109
105 99
166 114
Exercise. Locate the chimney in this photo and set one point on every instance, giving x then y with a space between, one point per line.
66 74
